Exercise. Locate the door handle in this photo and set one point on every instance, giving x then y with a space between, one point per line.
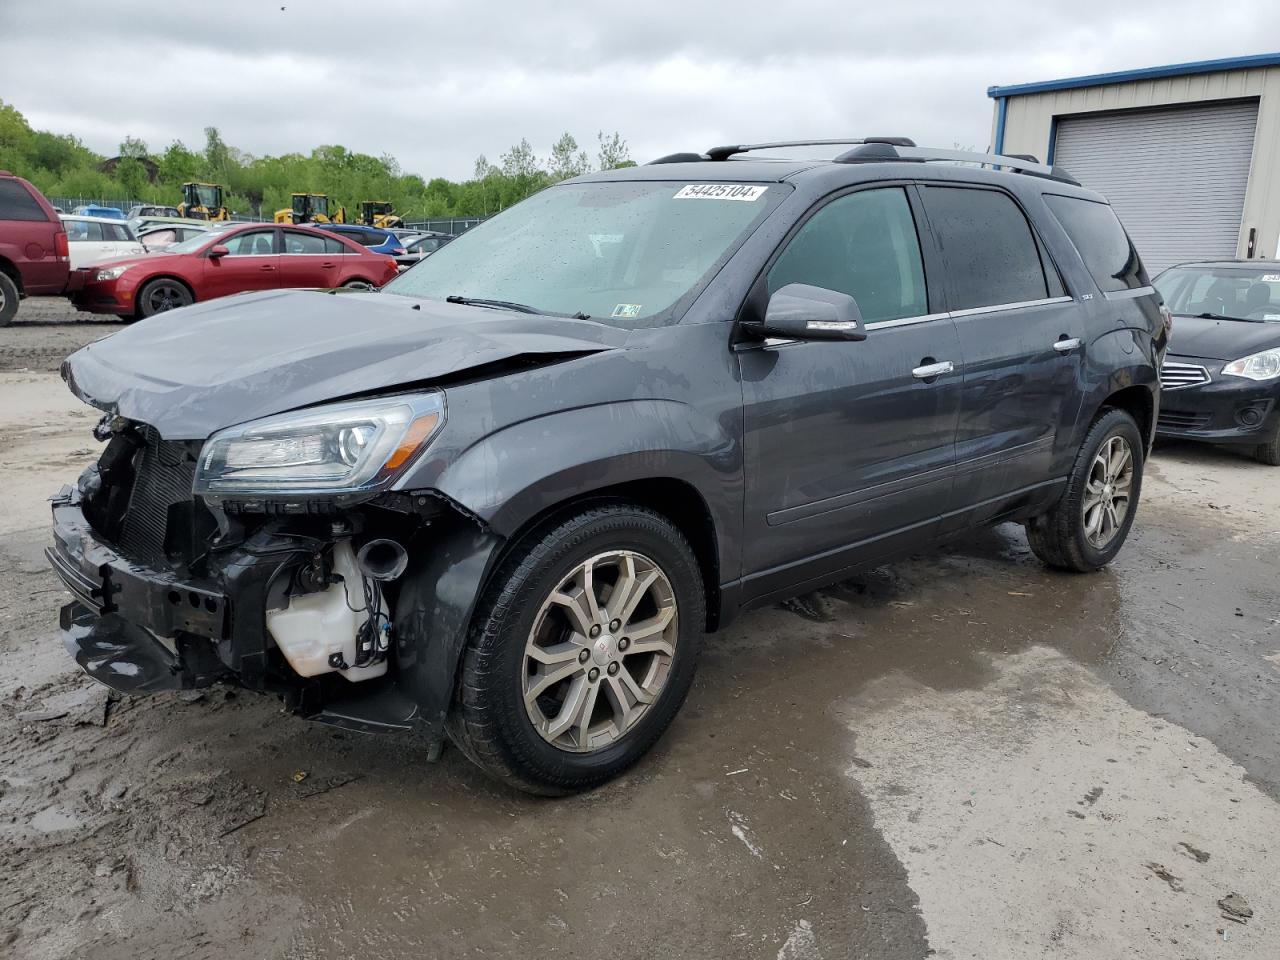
931 370
1066 344
266 266
327 263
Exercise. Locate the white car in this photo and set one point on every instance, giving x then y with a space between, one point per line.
97 238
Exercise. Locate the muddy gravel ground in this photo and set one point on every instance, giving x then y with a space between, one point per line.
961 755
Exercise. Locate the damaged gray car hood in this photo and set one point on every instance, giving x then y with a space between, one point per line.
192 372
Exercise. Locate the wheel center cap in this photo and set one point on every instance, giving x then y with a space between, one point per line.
602 649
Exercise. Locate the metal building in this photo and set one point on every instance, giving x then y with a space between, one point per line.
1188 154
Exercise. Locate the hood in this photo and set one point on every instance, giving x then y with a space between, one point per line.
1221 339
192 372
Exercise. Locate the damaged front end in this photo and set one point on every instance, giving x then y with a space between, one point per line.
352 604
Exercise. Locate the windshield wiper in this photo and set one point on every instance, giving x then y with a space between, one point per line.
496 304
1220 316
510 305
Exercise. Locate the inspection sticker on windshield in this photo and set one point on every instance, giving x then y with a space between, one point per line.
720 191
626 310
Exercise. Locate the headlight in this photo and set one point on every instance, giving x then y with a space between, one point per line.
343 448
1259 366
110 273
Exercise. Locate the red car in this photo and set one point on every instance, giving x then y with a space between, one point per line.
252 256
33 246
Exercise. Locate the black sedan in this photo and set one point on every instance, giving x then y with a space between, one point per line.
1221 378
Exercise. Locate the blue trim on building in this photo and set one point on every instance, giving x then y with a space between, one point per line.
1002 109
1145 73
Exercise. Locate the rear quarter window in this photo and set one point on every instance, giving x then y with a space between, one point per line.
1103 245
17 203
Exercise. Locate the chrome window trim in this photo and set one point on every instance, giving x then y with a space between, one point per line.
1130 294
1002 307
905 321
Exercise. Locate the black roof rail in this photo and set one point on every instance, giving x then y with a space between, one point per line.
1022 163
679 158
724 153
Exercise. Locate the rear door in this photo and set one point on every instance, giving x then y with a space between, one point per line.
251 263
310 259
849 447
1022 339
121 242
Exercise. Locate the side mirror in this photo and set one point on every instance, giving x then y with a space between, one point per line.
218 250
800 311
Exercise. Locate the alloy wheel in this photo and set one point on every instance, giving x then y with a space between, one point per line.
166 296
599 651
1107 493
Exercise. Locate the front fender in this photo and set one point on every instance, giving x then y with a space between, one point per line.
517 473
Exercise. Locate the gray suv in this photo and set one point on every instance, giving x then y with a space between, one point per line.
505 498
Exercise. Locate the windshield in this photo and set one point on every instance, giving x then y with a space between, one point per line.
207 195
619 252
1237 293
192 244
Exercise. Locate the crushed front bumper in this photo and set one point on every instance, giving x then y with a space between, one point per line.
138 629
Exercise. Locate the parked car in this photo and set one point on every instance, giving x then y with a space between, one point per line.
151 210
34 260
506 496
420 245
140 224
374 238
1222 375
93 210
232 259
160 236
93 239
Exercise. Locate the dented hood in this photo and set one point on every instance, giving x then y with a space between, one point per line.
195 371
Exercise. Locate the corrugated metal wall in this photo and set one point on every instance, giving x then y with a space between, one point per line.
1176 176
1030 120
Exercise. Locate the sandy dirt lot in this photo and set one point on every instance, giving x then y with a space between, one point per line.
961 755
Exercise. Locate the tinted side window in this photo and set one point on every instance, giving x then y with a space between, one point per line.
17 204
334 245
1104 246
255 243
987 245
116 231
865 245
303 242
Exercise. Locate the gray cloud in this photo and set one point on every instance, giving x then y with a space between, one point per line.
437 83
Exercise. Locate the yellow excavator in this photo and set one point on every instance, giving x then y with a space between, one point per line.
311 208
203 201
380 213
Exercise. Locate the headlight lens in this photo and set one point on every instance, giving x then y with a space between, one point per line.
110 273
343 448
1259 366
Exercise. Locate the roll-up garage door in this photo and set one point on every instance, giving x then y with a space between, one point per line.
1176 176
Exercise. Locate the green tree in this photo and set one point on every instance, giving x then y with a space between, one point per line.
567 159
133 148
613 152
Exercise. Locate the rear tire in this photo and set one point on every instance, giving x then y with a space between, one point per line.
1269 452
357 285
1088 525
161 296
554 696
8 299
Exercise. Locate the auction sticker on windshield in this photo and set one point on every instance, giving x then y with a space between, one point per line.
720 191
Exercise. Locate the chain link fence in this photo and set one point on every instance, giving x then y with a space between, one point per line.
453 226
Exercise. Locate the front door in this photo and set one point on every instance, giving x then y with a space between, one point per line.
250 264
850 446
1023 342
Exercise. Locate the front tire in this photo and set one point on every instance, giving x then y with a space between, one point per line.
1088 525
581 651
161 296
1268 453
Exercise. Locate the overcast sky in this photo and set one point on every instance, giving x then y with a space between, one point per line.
437 82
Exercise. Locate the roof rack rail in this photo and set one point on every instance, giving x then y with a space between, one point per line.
724 153
1022 163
